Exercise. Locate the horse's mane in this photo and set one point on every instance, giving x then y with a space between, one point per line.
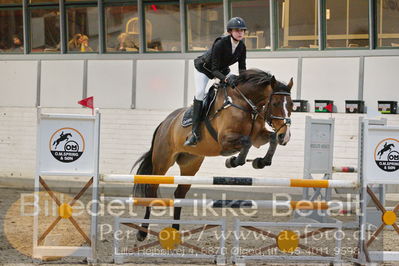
254 77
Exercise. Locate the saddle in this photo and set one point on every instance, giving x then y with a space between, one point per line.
206 107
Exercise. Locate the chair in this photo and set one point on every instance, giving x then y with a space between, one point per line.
132 28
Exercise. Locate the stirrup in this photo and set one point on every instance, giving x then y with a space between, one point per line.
192 141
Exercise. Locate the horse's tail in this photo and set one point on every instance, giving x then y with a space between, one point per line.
145 168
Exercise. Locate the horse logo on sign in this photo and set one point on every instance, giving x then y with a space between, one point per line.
386 154
67 145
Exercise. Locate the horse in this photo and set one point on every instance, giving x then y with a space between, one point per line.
237 119
387 147
61 138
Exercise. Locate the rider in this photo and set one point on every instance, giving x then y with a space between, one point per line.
214 63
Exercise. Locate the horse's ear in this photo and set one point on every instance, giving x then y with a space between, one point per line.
273 81
291 83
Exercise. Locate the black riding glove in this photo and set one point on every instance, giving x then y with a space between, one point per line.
232 81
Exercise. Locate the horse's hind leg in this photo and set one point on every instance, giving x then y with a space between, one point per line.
160 167
189 166
151 192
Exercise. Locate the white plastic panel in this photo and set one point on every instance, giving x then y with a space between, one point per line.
160 84
18 81
380 81
110 82
320 148
334 79
61 83
380 155
67 144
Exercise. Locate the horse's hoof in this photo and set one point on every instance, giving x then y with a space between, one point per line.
268 160
258 164
230 162
141 236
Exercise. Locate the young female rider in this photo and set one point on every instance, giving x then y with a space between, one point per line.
215 63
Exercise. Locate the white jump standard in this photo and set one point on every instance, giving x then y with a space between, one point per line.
67 145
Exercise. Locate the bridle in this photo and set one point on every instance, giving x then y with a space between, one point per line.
254 110
269 118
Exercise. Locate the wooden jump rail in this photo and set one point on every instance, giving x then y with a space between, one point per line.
237 204
344 169
222 180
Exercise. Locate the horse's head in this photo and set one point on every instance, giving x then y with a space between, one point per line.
279 109
257 85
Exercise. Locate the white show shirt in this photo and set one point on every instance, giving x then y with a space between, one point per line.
233 45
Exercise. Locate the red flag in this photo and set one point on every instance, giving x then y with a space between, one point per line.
88 102
329 107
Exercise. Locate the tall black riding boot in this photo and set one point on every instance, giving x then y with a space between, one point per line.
195 136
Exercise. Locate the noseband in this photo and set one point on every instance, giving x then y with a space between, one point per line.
269 119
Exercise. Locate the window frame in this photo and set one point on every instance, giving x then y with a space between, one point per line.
29 29
186 3
80 5
324 35
7 7
116 3
277 25
144 33
375 29
63 5
230 14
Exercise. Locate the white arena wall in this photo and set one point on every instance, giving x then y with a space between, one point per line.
136 92
127 133
164 83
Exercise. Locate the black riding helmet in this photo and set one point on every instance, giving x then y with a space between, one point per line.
236 23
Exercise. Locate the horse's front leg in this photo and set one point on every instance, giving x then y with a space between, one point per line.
260 163
234 161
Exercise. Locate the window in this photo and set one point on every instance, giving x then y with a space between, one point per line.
10 2
204 25
43 1
122 28
388 23
82 24
347 23
11 31
45 30
256 15
297 23
166 37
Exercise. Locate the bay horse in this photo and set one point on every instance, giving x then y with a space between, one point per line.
238 118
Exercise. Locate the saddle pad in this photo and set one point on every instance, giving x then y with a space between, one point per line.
187 117
208 102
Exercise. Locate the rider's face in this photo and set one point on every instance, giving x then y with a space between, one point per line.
238 34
